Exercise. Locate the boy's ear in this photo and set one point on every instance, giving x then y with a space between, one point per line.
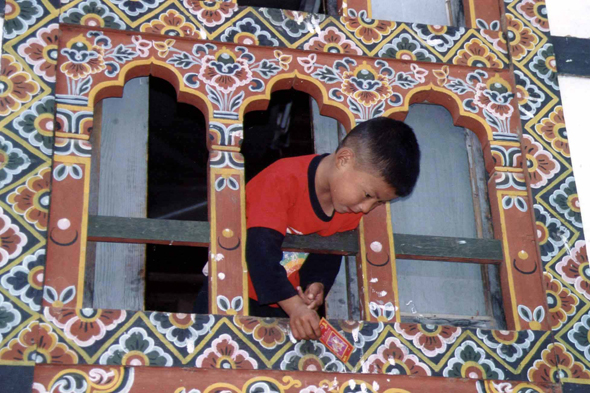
345 156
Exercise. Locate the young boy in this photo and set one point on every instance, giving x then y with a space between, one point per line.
378 161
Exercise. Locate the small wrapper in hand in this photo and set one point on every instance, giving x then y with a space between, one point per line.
335 341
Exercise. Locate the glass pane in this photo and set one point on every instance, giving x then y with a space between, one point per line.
431 12
441 205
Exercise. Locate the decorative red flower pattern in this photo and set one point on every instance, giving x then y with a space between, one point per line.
85 326
557 364
32 199
12 239
226 354
211 13
16 86
42 52
38 343
536 12
394 358
171 23
225 71
562 303
332 41
430 339
269 332
574 268
367 30
540 163
365 85
83 58
552 129
476 54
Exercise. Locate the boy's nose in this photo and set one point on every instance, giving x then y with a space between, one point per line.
366 206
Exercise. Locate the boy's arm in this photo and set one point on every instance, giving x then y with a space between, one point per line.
322 268
263 256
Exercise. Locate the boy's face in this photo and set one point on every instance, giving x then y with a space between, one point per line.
358 191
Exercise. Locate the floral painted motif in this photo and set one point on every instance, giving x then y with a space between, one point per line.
566 201
470 362
36 124
443 38
247 32
19 16
225 71
211 13
41 51
432 340
579 335
94 14
182 330
136 348
553 130
509 345
406 47
475 54
225 353
359 333
269 332
136 7
556 364
536 12
294 23
574 269
368 30
9 317
114 379
551 233
83 57
493 96
12 240
541 165
171 23
529 96
331 40
32 199
16 86
562 303
25 280
38 343
544 65
84 326
311 356
12 161
366 87
394 358
521 39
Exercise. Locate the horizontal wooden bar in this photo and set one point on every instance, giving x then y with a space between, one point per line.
194 233
572 55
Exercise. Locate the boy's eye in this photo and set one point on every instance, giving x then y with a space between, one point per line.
367 195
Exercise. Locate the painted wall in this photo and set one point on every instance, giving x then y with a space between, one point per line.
570 18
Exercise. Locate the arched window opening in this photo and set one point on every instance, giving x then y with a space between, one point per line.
293 126
315 6
149 161
430 12
450 199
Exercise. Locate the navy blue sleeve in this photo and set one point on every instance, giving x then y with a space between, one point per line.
263 256
320 268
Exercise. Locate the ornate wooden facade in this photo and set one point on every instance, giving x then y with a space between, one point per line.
59 60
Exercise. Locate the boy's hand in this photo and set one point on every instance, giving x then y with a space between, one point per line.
313 296
305 322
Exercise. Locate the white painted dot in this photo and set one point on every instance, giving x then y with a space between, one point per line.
40 277
92 23
473 375
50 125
63 224
135 362
45 200
221 276
248 41
376 246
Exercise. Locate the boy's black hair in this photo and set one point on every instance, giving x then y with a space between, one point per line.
389 147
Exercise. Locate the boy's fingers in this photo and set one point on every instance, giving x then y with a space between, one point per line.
309 330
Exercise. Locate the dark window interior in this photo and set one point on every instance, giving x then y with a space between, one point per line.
177 178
